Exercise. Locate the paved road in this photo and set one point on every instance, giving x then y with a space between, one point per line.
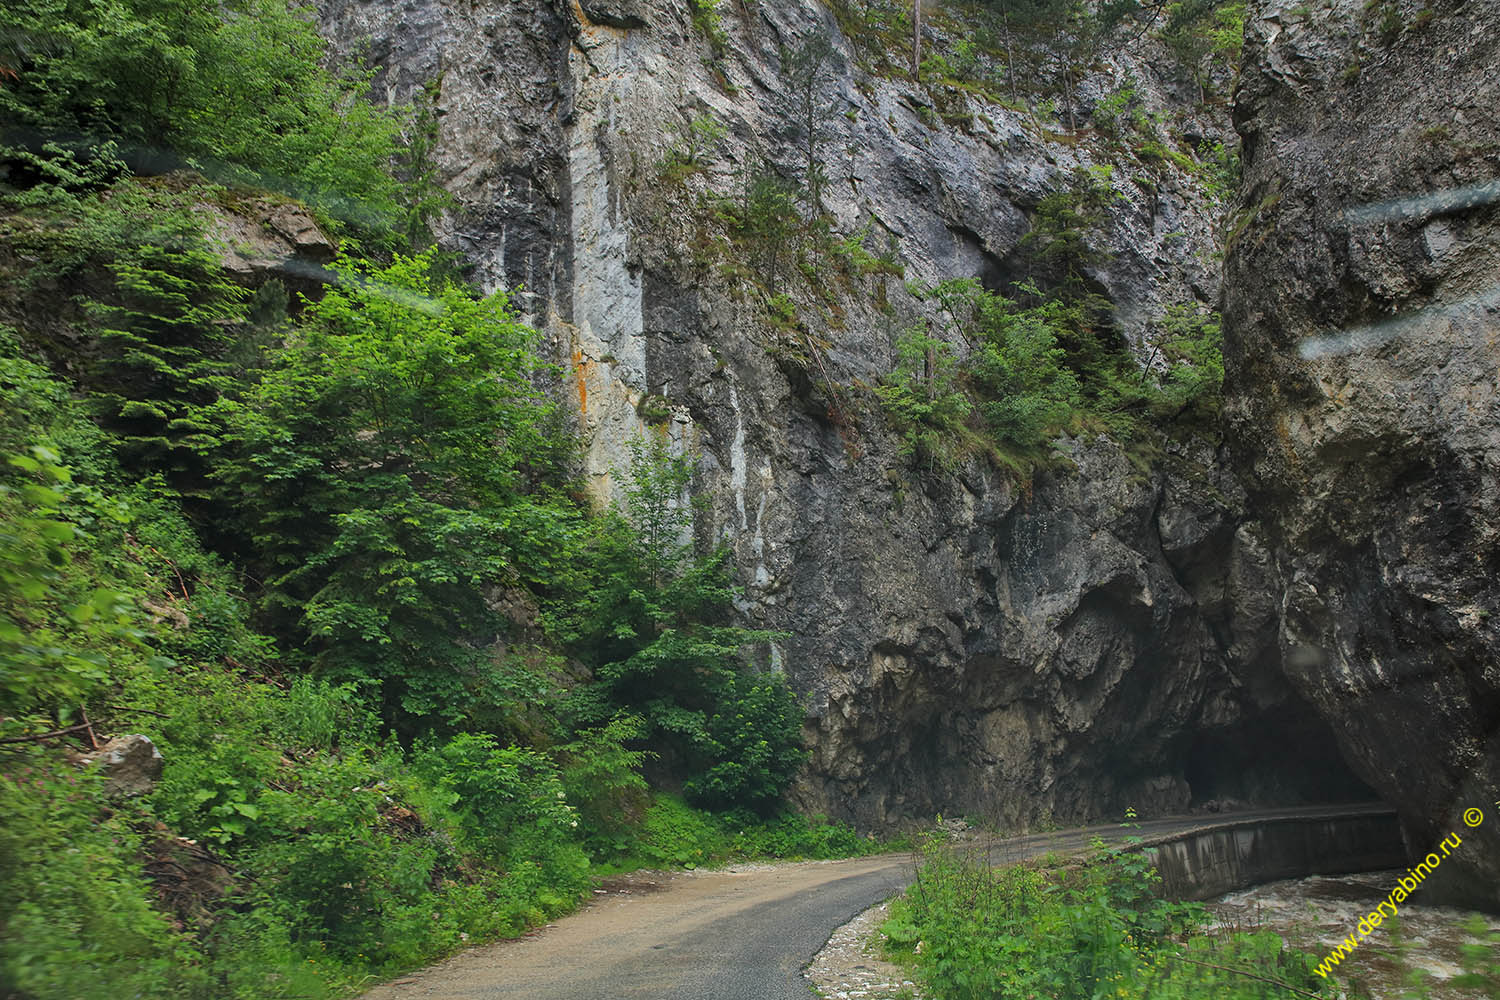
742 933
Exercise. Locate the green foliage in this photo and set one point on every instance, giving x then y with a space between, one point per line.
977 933
1037 371
421 196
239 90
1480 958
164 324
602 775
698 141
673 834
61 619
54 634
1047 361
752 742
803 68
1192 343
923 400
499 791
1206 37
649 616
381 471
159 320
858 259
1058 243
767 221
709 21
78 919
791 835
1020 371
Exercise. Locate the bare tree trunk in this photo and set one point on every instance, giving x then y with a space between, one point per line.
1010 58
916 39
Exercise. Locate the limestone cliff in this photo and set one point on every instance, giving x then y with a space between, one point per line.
1065 646
1363 350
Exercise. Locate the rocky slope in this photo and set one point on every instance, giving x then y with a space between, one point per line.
1065 647
1361 307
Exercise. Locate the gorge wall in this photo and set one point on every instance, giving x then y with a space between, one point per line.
1364 346
1061 646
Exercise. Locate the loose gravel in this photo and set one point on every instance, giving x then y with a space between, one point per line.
850 967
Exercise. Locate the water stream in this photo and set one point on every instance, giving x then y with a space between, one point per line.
1316 914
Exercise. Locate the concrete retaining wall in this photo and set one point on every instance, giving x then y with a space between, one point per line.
1202 864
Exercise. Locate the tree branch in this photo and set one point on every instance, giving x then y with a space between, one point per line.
48 736
1248 975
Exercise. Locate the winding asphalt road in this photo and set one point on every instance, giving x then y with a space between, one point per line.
742 933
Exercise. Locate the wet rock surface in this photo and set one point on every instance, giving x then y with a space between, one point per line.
1363 338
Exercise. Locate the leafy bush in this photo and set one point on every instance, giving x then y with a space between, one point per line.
977 933
924 401
240 90
648 615
1020 372
160 317
54 633
1040 365
380 471
792 835
673 834
708 19
62 616
499 791
78 918
753 741
602 777
1193 344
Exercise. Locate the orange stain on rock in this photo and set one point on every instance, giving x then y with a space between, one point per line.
580 367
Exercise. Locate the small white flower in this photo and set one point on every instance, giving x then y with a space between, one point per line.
574 823
561 795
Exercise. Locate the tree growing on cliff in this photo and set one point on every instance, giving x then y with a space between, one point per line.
924 401
804 68
651 616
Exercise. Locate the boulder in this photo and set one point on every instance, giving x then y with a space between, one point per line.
130 765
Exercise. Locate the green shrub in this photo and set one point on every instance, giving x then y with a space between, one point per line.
55 630
241 90
1020 372
977 933
1192 342
382 471
648 614
674 835
792 835
709 21
78 919
602 777
501 792
924 401
753 744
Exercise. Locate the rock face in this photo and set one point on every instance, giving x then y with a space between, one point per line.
1063 647
1363 328
265 237
130 765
